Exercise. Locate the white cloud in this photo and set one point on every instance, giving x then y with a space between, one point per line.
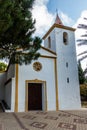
41 2
66 19
44 19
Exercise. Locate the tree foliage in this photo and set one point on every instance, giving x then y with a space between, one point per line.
16 29
3 66
83 92
81 74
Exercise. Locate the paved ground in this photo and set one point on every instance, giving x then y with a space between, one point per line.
37 120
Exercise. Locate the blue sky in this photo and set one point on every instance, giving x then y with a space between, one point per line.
72 8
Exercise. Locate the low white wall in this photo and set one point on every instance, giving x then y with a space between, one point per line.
8 94
2 82
11 72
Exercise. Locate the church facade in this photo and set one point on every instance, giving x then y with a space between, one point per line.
49 83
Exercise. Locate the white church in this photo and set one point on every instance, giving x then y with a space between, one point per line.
49 83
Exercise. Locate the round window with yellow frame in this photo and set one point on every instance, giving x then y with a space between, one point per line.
37 66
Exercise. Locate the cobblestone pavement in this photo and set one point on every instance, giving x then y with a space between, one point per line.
38 120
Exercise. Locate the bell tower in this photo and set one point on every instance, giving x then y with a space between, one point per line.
49 37
61 39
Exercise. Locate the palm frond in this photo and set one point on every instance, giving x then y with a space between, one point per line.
85 71
85 52
82 26
82 42
85 18
83 57
85 35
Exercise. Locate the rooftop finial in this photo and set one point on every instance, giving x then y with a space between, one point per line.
56 11
58 20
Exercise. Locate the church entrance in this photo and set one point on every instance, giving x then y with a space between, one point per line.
34 96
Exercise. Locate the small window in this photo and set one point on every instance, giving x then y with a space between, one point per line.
67 64
49 42
65 38
67 80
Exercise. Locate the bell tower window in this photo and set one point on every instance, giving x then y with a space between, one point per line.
68 80
65 38
49 42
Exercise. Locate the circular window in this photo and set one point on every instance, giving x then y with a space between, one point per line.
37 66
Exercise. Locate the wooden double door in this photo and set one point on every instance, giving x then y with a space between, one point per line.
34 96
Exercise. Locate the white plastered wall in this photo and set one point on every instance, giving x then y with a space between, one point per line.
11 72
69 93
10 95
10 88
52 37
46 74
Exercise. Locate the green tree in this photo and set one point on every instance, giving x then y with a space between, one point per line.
85 72
83 92
3 66
81 74
16 29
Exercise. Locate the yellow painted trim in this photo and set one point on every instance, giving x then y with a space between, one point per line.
56 83
26 92
58 26
16 89
44 56
35 81
3 71
46 103
26 97
49 50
